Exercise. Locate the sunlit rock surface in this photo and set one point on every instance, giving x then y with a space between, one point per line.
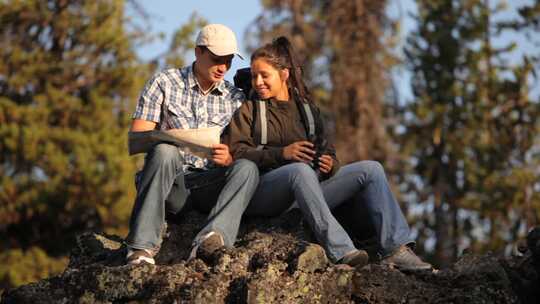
273 262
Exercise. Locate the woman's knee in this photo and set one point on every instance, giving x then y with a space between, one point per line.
372 168
246 164
246 168
374 165
301 170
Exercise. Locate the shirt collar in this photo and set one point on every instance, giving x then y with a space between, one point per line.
193 83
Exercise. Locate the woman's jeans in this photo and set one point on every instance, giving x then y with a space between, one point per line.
364 182
164 187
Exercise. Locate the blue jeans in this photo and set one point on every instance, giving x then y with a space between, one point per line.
162 188
364 182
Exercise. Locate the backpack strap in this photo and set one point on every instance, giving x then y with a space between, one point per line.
310 119
255 122
263 139
260 122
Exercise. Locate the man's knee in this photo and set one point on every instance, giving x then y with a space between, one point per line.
165 153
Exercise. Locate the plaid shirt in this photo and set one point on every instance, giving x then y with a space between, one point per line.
173 100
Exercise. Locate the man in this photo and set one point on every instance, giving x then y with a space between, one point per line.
195 96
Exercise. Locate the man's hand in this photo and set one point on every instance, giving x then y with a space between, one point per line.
326 162
301 151
221 155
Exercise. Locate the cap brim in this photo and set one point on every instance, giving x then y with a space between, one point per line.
220 52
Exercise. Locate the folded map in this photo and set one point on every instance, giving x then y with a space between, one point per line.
196 141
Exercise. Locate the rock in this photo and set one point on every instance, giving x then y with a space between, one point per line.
311 259
523 272
272 262
533 244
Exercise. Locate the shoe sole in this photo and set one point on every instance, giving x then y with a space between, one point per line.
395 266
136 258
140 261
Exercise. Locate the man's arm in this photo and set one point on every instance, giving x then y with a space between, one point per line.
140 125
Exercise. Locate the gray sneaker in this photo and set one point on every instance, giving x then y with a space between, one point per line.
355 258
406 260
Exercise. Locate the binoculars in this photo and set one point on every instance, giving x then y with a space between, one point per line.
320 149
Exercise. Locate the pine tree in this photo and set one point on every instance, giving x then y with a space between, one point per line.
359 70
68 82
469 130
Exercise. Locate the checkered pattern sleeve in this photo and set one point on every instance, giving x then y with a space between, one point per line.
237 97
149 104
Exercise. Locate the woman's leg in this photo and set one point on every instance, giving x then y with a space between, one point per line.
280 187
366 183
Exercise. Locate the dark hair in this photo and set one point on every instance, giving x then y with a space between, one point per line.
280 54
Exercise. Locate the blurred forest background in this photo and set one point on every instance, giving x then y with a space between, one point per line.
463 155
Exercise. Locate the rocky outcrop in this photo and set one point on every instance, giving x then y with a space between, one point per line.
273 262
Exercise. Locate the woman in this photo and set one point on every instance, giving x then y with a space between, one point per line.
292 169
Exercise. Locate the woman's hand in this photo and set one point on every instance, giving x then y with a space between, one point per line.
326 162
301 151
221 155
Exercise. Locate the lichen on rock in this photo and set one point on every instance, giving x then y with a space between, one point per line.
273 262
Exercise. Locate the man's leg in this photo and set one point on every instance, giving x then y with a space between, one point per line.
241 180
366 183
163 164
277 191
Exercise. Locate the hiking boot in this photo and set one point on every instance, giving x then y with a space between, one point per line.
208 245
137 256
355 258
406 260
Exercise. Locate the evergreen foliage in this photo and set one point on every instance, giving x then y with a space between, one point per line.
68 82
470 131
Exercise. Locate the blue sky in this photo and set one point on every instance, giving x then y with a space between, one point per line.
168 15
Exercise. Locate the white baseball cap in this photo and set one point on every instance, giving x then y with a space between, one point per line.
219 39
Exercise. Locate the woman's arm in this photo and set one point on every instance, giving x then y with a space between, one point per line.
242 144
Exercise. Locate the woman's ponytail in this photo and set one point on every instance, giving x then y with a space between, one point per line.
298 86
